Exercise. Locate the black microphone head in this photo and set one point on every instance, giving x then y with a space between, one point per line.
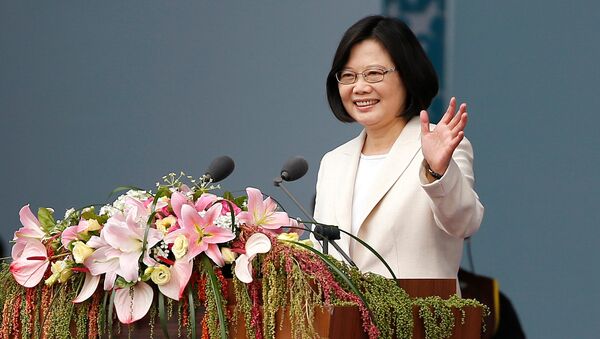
294 169
220 168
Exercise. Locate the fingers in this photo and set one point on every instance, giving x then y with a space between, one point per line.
449 112
458 123
457 139
424 122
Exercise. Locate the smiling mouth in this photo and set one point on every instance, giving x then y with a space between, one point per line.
365 102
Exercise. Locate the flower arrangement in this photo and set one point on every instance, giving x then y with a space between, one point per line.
146 254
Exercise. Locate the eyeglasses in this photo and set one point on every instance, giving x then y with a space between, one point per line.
371 75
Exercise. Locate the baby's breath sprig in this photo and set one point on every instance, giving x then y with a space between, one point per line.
172 180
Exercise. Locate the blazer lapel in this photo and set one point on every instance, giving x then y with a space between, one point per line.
345 186
402 153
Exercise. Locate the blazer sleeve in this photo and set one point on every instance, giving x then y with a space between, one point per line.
455 205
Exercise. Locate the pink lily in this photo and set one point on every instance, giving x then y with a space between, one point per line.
262 213
201 232
119 248
30 261
127 238
205 200
32 227
104 260
133 303
179 199
257 243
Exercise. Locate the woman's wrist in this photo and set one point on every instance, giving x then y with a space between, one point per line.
431 174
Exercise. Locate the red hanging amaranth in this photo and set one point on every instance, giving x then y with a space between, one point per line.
256 314
93 316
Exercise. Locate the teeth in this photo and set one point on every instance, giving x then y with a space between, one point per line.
365 102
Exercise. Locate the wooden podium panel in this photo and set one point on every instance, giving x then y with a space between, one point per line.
338 322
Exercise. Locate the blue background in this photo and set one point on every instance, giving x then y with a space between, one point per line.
97 95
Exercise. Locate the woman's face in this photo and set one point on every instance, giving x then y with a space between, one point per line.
373 105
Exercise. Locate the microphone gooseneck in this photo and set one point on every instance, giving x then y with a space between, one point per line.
220 168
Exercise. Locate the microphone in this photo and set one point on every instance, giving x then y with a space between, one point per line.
294 169
219 169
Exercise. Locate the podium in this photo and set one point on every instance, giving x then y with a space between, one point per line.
342 322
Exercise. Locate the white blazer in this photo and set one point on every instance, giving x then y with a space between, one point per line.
417 227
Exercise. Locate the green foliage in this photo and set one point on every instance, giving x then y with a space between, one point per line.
243 307
286 287
389 304
46 219
61 312
90 213
215 303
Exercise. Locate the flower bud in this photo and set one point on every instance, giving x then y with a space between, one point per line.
180 246
228 255
164 224
93 225
81 251
288 236
161 275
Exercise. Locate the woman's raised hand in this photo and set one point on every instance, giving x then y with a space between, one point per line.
439 144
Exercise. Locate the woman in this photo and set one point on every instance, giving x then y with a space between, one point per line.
403 185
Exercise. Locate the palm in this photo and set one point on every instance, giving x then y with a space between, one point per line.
439 144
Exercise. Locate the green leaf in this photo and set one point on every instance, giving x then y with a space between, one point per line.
216 290
240 201
162 315
192 312
228 196
120 282
111 307
102 314
46 219
91 214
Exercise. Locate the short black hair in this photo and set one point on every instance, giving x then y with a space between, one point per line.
410 60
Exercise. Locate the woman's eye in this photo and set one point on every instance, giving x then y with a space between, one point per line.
347 75
373 72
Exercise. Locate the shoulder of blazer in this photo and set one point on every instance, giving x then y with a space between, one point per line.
350 147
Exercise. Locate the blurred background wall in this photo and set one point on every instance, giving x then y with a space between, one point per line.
97 95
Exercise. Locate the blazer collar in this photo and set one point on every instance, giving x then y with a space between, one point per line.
403 151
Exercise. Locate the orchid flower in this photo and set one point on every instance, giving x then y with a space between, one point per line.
201 233
30 261
262 213
257 243
31 225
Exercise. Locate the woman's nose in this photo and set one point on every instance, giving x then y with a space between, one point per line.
361 86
